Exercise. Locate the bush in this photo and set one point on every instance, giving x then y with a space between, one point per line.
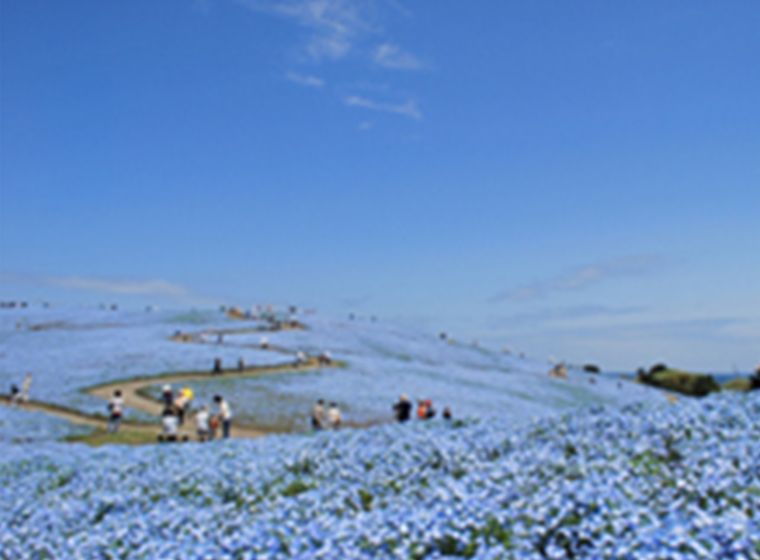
691 384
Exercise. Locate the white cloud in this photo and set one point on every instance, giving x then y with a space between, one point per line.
392 56
408 108
305 80
582 277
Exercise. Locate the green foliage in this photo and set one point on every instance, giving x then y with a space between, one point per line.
295 488
686 383
365 498
741 384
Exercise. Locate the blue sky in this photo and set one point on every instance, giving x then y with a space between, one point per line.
575 179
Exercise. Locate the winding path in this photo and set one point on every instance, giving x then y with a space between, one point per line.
133 389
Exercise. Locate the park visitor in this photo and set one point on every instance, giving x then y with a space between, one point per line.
334 419
225 415
115 409
318 415
403 409
202 424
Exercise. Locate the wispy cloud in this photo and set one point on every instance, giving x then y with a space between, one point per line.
564 314
305 80
334 25
121 287
392 56
582 277
408 108
364 126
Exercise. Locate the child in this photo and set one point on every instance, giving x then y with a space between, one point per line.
202 424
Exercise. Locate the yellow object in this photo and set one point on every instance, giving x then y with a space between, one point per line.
188 392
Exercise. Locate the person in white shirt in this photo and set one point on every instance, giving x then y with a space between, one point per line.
333 416
202 424
116 409
225 415
23 395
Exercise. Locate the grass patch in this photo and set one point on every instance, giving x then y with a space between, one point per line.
741 384
124 436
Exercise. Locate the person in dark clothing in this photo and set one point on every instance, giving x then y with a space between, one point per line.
318 415
403 409
217 366
447 413
167 395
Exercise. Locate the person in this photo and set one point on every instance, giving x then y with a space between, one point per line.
167 395
169 425
225 415
301 358
217 365
115 408
430 410
403 409
325 358
26 387
202 424
334 419
241 364
425 410
264 343
447 413
15 392
213 426
318 415
181 403
421 410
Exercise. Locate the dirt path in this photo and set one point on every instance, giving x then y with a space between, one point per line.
133 389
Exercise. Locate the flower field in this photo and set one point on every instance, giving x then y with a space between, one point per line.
642 481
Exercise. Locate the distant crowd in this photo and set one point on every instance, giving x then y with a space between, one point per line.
329 417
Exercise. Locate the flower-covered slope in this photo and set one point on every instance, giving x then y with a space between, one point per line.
656 481
68 350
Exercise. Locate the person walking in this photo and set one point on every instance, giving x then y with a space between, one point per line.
225 415
334 419
318 415
403 409
115 409
26 387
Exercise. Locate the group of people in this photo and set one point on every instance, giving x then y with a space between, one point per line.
21 395
175 409
402 410
325 418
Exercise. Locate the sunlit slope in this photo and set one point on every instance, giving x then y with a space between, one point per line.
70 349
